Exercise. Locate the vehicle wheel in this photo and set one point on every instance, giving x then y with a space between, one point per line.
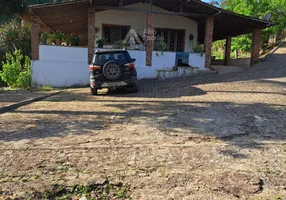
112 70
134 89
93 91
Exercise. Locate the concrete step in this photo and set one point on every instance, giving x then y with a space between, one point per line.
181 72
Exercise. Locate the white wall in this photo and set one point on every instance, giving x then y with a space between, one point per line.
60 73
63 53
197 60
162 61
137 21
68 66
61 67
165 60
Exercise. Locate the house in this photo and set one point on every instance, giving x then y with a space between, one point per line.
178 24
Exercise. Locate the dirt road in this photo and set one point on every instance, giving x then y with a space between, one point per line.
209 137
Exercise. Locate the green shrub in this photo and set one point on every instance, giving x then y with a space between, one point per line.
199 49
16 70
101 42
12 68
75 40
24 80
120 44
45 88
160 46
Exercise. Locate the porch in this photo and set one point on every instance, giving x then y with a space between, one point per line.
182 24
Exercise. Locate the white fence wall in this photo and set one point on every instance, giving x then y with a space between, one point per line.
60 73
68 66
161 61
197 60
165 60
62 53
61 67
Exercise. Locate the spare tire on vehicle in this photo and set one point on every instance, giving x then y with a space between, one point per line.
112 70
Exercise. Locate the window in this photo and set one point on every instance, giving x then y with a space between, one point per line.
175 39
101 58
115 33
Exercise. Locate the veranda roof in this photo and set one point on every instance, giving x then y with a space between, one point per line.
71 16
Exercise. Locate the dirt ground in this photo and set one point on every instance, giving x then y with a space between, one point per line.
208 137
10 97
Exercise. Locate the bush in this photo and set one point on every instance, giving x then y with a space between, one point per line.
13 36
199 49
24 80
160 46
2 58
16 70
120 44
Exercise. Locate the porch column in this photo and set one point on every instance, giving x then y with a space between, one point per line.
150 34
227 51
91 33
208 40
35 30
256 44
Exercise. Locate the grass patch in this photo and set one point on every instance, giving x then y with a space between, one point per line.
9 89
270 170
103 191
45 88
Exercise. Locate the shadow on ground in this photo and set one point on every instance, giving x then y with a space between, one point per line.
243 125
246 125
179 87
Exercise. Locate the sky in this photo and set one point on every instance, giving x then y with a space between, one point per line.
209 1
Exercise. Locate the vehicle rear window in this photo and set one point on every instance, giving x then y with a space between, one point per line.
121 57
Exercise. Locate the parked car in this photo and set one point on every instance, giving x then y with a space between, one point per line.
113 69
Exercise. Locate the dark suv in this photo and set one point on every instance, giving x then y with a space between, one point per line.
112 69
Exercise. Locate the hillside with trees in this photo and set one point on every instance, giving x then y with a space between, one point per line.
8 7
257 9
15 44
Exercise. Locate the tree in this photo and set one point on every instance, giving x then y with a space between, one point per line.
214 3
12 6
15 36
279 14
19 6
257 9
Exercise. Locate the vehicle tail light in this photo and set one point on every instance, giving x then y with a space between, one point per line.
94 67
130 65
92 84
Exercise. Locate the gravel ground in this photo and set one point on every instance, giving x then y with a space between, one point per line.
205 137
